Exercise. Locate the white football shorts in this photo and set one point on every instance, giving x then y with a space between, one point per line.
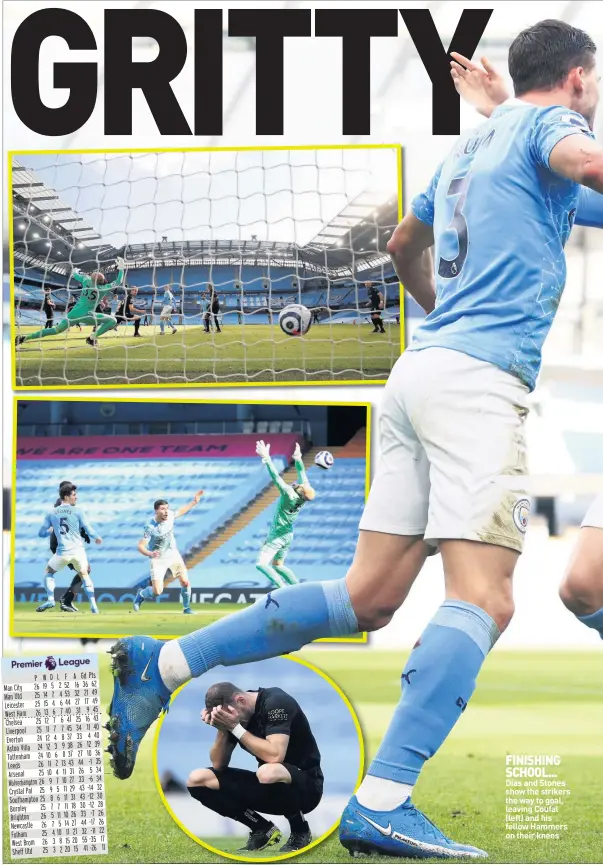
173 563
77 558
166 311
594 515
453 452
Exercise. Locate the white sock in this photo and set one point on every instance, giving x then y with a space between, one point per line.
381 794
173 667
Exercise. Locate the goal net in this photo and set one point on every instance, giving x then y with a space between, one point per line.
216 244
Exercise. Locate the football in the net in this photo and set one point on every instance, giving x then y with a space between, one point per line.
295 319
324 459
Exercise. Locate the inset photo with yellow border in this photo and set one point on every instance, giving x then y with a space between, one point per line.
205 267
258 761
146 517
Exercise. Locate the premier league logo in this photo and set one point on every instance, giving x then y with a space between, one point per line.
50 663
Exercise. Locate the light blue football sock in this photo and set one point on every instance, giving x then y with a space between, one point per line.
148 594
185 594
88 587
49 586
161 325
278 623
437 682
593 620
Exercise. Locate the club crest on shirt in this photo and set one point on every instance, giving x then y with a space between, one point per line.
521 512
277 715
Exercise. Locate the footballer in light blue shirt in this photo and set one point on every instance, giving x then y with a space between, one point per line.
504 173
167 310
66 521
501 216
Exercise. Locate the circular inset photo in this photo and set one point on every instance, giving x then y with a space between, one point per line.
258 761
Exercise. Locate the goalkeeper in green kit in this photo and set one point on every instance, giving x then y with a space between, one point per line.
94 289
292 498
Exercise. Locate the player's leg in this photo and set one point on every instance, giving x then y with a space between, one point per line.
67 600
281 568
158 568
582 588
180 572
440 674
49 331
301 796
55 564
233 793
281 622
478 514
80 563
162 321
264 563
388 557
102 323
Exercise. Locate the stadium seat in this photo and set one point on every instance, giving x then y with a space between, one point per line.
325 533
119 512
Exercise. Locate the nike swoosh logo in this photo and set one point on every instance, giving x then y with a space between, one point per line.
379 828
421 845
144 677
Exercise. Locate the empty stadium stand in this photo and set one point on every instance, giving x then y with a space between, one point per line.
325 532
221 537
119 510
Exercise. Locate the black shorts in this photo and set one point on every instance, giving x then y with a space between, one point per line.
302 794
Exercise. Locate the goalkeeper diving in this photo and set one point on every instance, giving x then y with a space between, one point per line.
271 559
94 289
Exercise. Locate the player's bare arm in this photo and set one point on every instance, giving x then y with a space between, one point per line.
271 750
481 86
580 159
143 548
409 247
186 508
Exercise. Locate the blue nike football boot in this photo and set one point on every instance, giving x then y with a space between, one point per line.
138 600
139 697
404 832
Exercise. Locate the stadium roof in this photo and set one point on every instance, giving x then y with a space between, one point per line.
47 232
50 234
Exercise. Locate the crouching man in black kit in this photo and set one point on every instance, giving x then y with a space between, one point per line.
270 725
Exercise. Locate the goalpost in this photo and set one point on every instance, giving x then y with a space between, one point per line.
225 239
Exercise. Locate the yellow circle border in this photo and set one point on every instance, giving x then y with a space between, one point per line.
314 843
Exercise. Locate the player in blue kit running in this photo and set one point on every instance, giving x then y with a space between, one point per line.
497 213
166 311
67 521
158 544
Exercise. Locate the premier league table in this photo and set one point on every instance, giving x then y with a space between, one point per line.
54 763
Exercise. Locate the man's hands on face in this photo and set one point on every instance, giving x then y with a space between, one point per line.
223 718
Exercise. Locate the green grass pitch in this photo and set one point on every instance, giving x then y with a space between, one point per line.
161 620
252 353
526 702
